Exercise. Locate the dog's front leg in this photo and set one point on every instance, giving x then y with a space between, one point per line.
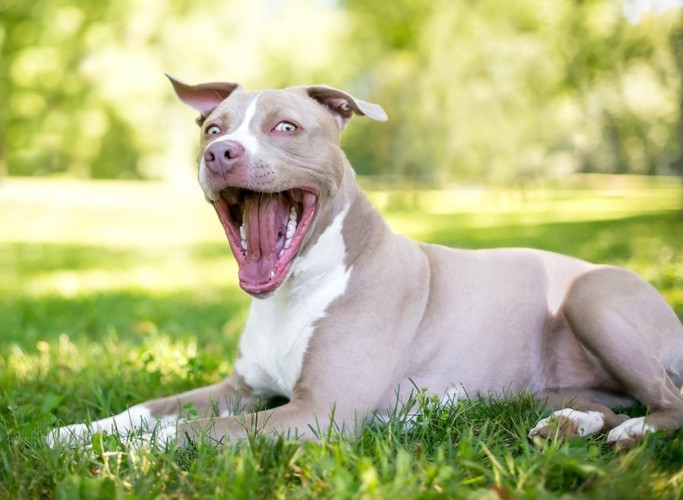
345 376
221 399
293 420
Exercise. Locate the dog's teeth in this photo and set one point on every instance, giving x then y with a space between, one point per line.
272 274
291 228
244 244
288 243
243 232
282 252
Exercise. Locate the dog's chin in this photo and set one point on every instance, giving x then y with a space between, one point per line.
266 232
263 291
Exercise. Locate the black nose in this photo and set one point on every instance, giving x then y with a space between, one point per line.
221 156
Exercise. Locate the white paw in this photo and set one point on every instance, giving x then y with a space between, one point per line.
158 439
577 422
631 430
136 419
70 435
165 436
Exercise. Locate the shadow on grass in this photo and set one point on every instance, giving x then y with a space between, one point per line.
202 311
596 241
25 321
30 259
100 353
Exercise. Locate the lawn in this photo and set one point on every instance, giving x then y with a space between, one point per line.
114 293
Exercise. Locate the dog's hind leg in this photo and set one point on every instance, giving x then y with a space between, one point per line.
623 322
579 412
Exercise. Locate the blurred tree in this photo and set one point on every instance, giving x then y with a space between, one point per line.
83 82
677 49
475 89
506 90
53 120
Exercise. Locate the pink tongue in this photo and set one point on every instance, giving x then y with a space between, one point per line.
266 218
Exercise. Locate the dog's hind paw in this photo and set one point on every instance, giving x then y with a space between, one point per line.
630 431
568 423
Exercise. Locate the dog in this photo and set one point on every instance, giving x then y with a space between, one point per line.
348 316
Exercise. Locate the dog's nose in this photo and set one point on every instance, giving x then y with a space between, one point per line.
221 156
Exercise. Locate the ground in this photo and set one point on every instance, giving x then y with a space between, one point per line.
114 293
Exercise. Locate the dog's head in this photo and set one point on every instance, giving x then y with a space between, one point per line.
269 162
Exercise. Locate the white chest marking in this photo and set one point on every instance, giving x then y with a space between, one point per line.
279 328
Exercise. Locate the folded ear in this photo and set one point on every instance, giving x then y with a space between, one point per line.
204 97
343 105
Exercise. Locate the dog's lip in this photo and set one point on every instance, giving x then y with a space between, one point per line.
229 205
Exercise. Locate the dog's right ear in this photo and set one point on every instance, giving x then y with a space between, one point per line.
204 97
343 105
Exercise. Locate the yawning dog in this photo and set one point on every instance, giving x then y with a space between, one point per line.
346 315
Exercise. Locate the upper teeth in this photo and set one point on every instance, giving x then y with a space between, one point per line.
243 232
291 229
291 225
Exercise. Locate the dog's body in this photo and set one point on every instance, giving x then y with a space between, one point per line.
348 315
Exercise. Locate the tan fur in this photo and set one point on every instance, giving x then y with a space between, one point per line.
488 321
414 315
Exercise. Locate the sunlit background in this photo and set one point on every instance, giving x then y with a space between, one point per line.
482 90
495 107
554 124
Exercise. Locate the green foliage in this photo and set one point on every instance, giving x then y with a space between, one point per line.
53 119
486 89
89 328
509 90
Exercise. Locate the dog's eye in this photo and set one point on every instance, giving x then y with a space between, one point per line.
213 130
285 127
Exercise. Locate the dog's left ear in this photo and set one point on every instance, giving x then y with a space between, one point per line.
343 105
204 97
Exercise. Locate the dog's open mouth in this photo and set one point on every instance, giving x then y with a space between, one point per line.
265 232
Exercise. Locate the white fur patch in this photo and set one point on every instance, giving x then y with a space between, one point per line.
633 428
135 417
242 134
157 439
587 423
279 327
452 395
165 436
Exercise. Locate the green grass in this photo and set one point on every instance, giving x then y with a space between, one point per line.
111 294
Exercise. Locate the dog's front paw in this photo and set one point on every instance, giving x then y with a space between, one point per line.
159 439
568 423
74 435
190 433
163 437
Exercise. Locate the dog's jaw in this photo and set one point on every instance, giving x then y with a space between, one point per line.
266 231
